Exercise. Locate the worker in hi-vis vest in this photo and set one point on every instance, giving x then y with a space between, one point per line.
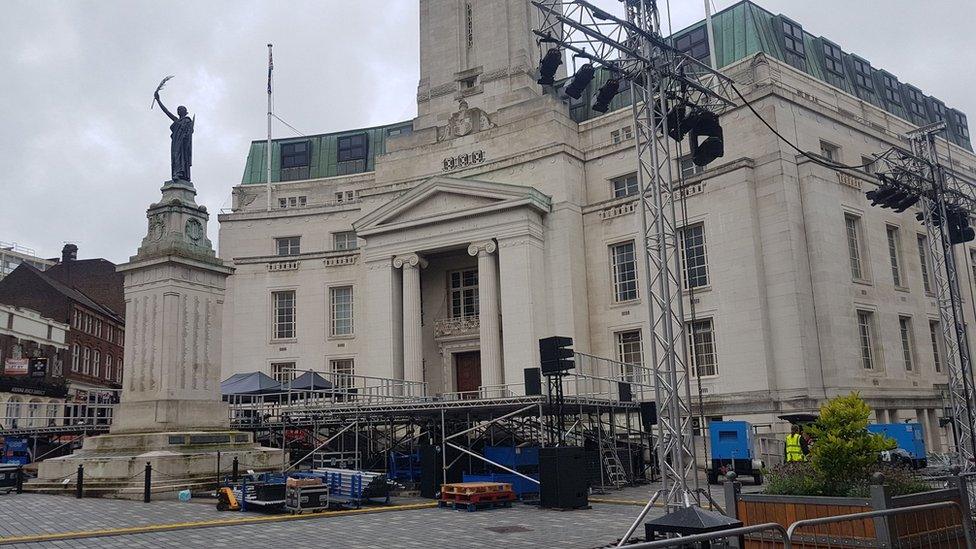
794 446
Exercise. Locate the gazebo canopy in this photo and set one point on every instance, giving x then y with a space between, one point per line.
253 383
309 381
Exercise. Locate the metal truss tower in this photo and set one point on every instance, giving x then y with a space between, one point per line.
941 189
660 79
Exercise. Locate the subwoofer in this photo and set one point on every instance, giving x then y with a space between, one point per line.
562 478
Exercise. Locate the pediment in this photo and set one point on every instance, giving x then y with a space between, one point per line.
442 198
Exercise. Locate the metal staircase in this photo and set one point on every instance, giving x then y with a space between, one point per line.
612 466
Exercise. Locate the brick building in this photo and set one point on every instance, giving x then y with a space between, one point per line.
86 295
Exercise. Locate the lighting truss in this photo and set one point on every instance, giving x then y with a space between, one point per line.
661 78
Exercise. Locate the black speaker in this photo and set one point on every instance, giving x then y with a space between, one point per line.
648 413
562 478
533 381
623 389
431 471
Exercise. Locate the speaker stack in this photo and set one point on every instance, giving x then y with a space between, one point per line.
562 478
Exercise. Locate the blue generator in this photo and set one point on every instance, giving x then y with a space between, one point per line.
732 450
910 437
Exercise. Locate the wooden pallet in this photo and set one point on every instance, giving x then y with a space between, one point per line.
482 497
471 506
475 487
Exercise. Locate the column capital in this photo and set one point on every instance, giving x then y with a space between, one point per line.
409 260
482 247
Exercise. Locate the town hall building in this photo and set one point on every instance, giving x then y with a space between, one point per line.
440 249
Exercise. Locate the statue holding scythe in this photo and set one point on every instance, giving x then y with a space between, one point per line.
181 148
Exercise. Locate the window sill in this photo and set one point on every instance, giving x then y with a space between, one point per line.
624 304
342 337
862 282
279 341
697 290
902 289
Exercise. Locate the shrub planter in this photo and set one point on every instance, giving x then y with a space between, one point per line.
938 528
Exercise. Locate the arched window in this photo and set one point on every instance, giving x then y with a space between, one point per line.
75 357
12 416
86 369
108 366
96 363
33 413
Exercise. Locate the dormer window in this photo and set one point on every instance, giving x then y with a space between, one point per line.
916 102
833 59
862 75
891 89
351 153
793 38
294 160
695 44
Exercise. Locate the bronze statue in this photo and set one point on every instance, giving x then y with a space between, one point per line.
181 147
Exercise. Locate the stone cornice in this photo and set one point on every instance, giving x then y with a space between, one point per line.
249 260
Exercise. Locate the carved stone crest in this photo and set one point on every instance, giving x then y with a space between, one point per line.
194 230
464 122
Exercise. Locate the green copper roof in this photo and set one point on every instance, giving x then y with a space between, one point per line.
323 156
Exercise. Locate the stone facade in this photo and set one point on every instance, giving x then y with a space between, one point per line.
525 198
26 400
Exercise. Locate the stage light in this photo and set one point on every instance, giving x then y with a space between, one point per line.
580 80
548 66
704 124
606 93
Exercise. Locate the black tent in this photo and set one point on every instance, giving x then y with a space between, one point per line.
253 383
309 381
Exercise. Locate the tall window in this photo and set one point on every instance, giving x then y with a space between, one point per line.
340 304
96 363
343 370
833 59
289 245
624 270
939 109
464 293
351 153
629 352
865 332
88 323
284 314
86 366
854 245
701 344
75 357
907 342
793 38
283 372
935 337
688 168
693 259
625 185
962 126
98 328
118 371
108 366
862 75
893 246
923 259
294 160
345 240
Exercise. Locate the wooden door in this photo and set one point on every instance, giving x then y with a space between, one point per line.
467 371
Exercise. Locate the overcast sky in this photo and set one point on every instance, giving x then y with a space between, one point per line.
82 156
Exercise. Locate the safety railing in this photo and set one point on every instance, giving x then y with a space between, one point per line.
931 525
96 408
777 537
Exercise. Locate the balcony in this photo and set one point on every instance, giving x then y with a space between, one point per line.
454 327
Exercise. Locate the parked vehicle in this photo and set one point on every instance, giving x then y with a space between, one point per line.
733 450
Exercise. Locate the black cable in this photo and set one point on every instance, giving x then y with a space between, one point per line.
827 164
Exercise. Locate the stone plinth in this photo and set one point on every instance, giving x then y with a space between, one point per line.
171 414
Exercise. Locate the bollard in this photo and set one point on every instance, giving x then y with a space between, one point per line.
147 484
20 479
234 470
80 483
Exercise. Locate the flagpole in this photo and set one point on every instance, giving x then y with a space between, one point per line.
268 149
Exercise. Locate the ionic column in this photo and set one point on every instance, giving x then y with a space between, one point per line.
489 329
413 335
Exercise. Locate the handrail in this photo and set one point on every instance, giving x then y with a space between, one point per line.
687 540
881 513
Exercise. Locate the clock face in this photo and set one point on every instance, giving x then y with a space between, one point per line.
194 230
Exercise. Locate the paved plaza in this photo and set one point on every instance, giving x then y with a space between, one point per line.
519 526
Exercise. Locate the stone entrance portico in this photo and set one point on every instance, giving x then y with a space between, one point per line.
441 225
